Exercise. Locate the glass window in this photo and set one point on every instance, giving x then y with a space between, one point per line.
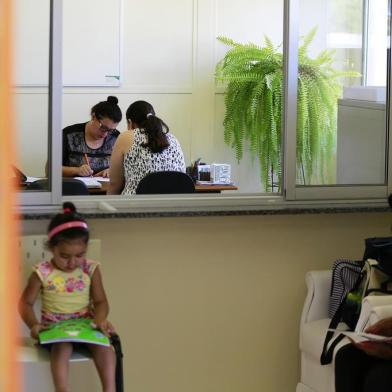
341 117
31 80
216 77
248 126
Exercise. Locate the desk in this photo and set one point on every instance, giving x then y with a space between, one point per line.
205 188
213 188
199 188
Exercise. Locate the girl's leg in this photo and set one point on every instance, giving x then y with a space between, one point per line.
105 362
60 354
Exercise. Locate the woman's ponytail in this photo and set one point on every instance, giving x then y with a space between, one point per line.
143 114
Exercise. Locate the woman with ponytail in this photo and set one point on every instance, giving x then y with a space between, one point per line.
146 147
87 147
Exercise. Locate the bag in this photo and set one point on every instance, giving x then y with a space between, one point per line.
345 274
380 249
116 343
372 280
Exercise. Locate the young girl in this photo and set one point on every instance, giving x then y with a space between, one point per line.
70 287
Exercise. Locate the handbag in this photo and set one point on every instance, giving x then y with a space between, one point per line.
345 274
371 281
380 249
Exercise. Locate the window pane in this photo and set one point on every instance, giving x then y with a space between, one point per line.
250 105
31 87
341 126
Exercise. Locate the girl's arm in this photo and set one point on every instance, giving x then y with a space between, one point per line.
26 303
100 302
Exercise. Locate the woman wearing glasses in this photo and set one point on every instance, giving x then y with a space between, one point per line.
87 147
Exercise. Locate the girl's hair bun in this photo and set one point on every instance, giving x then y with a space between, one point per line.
113 100
69 208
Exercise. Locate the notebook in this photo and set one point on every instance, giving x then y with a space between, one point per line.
76 330
90 182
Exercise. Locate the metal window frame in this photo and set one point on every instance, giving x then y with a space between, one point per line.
53 195
292 193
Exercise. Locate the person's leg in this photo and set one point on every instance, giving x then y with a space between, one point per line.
60 354
105 362
351 366
379 377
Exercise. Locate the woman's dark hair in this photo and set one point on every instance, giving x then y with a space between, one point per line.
142 113
69 215
107 109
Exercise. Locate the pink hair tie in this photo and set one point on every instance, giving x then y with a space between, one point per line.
65 226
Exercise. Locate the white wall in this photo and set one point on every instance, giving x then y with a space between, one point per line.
168 58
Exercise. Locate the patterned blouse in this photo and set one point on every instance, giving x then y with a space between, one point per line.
65 295
75 146
140 161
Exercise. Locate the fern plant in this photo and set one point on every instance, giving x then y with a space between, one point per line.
254 104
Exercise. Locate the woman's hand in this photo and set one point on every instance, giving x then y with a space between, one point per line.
382 327
375 349
84 171
36 329
102 173
105 326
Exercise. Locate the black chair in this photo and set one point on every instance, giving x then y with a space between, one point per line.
165 182
71 186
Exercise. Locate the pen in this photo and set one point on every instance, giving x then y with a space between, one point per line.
87 161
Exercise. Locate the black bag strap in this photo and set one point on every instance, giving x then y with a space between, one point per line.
116 343
327 353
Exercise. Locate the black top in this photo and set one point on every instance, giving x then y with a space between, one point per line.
75 146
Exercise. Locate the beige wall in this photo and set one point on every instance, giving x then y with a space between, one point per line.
212 304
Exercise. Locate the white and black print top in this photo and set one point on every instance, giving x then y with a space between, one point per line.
140 161
75 146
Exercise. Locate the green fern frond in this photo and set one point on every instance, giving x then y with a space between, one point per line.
303 49
227 41
268 43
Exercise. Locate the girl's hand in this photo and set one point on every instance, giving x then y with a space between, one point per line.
105 326
375 349
36 329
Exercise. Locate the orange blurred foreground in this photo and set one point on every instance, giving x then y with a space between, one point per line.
9 255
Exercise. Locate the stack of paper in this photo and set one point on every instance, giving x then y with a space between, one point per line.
363 336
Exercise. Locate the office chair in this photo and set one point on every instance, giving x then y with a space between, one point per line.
71 186
165 182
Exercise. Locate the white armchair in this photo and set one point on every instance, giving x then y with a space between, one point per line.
314 324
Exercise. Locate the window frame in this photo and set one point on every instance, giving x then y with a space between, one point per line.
292 194
54 195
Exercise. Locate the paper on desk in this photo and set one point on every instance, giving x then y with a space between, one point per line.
102 179
363 336
33 179
90 182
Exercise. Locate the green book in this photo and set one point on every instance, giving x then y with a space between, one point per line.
75 330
